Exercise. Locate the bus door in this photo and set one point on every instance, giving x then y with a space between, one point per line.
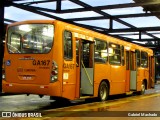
85 66
128 71
133 71
151 72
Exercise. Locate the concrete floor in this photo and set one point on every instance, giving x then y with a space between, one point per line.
116 108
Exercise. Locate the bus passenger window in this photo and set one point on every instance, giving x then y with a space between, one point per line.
67 45
15 46
127 60
144 59
138 58
122 50
101 51
114 54
77 53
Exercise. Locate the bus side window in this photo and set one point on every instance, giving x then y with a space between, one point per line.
101 51
138 58
122 50
68 45
114 54
144 59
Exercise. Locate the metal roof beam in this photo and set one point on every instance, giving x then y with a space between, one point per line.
37 8
37 2
128 34
143 29
101 12
99 29
33 9
59 4
149 45
8 20
107 15
142 40
115 16
116 6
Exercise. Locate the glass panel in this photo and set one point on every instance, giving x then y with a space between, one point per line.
127 60
86 54
122 50
67 45
14 46
138 58
101 51
77 53
114 54
31 38
144 59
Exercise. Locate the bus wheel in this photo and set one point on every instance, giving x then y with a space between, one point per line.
103 91
142 88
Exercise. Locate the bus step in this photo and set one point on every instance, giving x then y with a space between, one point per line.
129 93
85 97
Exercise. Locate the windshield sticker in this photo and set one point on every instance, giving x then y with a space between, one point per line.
26 58
65 76
8 62
25 70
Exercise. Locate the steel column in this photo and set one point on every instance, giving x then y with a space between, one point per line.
140 35
111 23
1 39
58 9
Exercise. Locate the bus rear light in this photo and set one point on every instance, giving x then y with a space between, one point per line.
43 87
54 72
54 65
9 85
3 74
54 78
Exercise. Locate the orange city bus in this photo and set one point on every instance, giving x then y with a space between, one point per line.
61 60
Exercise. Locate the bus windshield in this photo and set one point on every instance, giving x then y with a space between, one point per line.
30 38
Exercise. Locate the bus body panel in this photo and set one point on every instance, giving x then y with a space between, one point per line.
68 71
69 79
118 80
101 72
127 88
25 69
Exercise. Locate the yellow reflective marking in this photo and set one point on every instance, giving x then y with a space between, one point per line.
95 105
105 104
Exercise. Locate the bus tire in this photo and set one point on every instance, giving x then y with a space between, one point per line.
103 91
142 89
